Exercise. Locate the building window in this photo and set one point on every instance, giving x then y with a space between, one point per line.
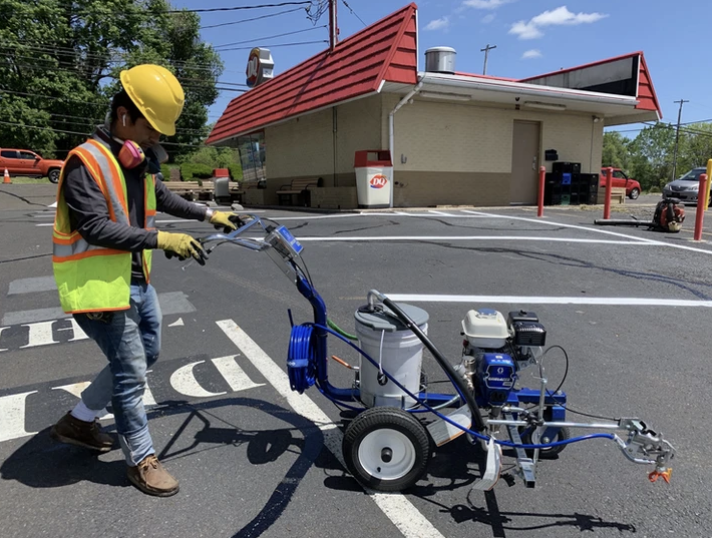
252 156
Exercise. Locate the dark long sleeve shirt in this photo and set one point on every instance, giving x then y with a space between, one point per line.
89 212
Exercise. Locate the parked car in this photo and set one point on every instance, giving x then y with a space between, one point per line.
685 188
621 180
22 162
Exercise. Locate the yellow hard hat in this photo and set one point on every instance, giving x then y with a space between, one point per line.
157 94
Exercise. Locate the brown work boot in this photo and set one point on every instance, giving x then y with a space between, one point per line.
77 432
152 478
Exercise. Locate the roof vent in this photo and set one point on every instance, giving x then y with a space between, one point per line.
440 60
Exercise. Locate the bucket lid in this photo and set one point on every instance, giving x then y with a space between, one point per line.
387 321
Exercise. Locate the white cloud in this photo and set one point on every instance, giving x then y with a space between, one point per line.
488 18
530 54
438 24
486 4
560 16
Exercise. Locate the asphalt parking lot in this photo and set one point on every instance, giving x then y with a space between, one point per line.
630 306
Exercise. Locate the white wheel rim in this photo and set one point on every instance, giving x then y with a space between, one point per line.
402 452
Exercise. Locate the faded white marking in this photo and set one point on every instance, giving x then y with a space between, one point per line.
172 302
440 213
12 416
596 230
178 323
40 335
32 285
233 374
512 299
183 381
449 238
1 330
409 521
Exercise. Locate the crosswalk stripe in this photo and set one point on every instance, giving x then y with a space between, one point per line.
406 517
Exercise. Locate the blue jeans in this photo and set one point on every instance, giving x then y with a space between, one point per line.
131 341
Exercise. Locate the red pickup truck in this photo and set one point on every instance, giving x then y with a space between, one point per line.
620 179
22 162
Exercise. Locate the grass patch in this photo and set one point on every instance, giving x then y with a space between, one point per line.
30 181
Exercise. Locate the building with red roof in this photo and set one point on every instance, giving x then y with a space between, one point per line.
454 138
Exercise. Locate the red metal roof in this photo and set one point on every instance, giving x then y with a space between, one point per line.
356 67
647 98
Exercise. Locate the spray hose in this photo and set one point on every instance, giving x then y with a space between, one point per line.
302 365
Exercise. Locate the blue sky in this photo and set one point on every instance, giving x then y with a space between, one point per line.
532 37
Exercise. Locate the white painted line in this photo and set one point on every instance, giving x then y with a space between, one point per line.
53 204
12 416
234 374
439 238
178 323
183 380
44 224
440 213
586 228
396 507
512 299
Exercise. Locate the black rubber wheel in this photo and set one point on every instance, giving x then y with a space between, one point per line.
53 175
549 453
634 194
386 449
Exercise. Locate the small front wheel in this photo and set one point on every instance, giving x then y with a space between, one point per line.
386 449
634 194
562 434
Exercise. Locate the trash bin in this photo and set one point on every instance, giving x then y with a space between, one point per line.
221 190
374 178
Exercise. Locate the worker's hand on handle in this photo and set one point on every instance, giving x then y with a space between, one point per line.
182 245
226 221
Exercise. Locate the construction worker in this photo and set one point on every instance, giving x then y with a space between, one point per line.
104 236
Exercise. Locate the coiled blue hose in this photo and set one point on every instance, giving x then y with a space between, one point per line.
301 359
445 417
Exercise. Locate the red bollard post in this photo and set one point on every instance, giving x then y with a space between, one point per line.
542 185
701 199
607 203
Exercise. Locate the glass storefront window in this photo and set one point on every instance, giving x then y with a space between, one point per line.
252 156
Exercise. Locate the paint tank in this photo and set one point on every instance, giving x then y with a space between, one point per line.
395 349
440 60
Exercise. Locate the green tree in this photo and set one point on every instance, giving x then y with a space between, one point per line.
616 152
651 155
60 60
695 146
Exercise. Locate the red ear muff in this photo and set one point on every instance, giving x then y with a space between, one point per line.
131 155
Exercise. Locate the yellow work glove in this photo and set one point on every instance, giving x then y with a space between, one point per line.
182 245
228 222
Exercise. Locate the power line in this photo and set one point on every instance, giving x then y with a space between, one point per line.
268 37
37 127
252 19
273 45
237 8
353 12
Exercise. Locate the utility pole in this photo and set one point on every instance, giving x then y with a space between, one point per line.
677 138
486 51
333 27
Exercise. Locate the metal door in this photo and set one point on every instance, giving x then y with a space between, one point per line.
525 163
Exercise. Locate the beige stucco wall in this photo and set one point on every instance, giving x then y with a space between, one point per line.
461 153
454 153
305 146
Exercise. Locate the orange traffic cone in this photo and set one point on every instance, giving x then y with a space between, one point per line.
6 177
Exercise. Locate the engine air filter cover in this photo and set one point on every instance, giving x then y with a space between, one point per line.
485 328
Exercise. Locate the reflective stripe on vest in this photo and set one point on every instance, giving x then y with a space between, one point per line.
92 278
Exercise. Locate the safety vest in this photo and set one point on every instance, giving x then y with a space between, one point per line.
91 278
